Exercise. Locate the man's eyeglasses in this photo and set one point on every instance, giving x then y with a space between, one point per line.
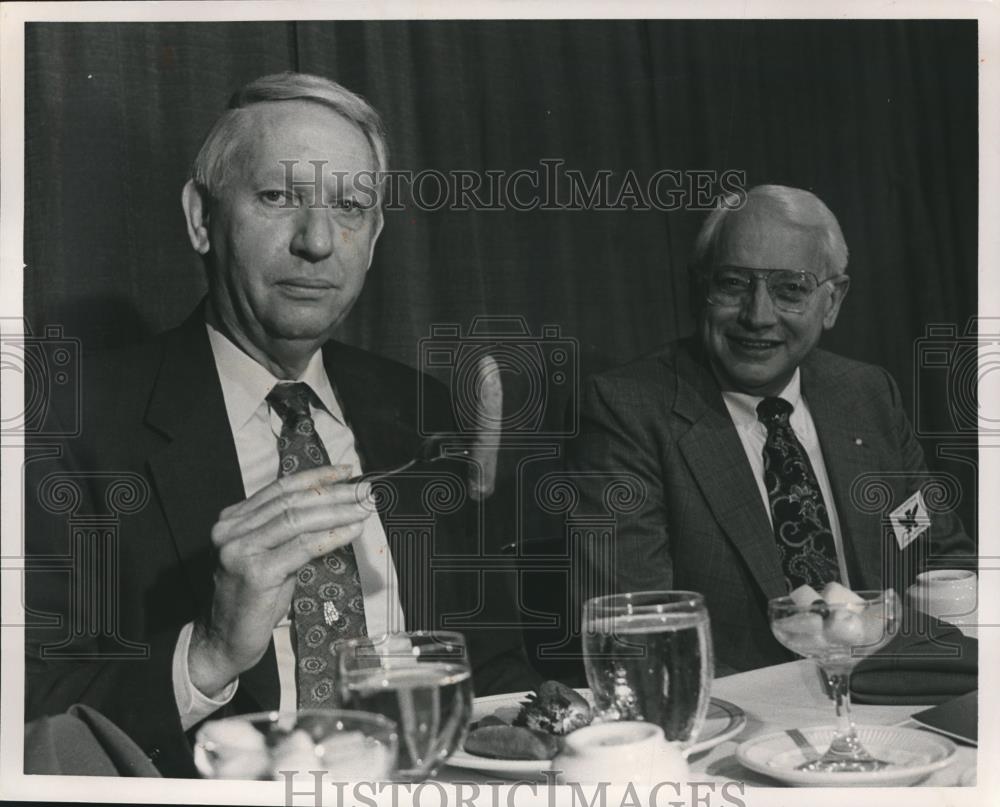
790 290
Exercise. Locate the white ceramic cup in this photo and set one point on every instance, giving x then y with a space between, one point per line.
948 594
618 753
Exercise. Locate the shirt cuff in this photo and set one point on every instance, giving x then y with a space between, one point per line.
192 705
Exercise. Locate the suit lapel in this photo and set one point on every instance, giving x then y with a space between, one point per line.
198 473
715 455
846 441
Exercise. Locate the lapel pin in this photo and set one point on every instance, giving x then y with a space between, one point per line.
858 441
330 613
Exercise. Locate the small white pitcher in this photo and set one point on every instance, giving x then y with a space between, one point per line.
620 752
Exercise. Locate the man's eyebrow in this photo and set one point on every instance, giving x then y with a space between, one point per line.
333 182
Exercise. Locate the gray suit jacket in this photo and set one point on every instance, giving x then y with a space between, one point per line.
701 525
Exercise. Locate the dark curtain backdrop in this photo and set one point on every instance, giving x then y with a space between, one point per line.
879 118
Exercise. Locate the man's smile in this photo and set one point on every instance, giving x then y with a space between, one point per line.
744 344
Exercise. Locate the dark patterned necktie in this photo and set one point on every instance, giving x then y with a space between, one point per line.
327 604
801 525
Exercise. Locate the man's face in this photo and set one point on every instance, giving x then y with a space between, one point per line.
288 262
755 347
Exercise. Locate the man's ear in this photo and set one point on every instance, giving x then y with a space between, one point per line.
379 224
839 284
196 216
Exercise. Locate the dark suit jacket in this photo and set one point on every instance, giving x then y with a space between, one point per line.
702 525
153 418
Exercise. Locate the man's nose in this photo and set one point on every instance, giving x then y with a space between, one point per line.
313 239
758 308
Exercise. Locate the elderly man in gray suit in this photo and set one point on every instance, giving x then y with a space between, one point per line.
746 440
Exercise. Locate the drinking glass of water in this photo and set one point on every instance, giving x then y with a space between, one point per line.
648 656
422 681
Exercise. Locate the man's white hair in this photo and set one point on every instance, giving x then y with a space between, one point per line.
221 149
796 206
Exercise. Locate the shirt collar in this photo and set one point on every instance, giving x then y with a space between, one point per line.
246 383
743 407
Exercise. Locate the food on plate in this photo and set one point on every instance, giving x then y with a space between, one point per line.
554 708
546 715
490 720
511 742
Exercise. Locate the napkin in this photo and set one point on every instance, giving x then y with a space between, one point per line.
958 718
932 667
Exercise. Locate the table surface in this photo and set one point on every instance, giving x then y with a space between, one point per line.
801 703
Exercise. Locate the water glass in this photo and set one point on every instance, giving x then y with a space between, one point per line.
648 656
420 680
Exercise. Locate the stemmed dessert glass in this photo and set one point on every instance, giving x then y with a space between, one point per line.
837 636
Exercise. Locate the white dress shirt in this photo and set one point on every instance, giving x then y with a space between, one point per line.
743 410
255 427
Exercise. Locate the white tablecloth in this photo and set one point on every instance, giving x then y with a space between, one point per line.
774 698
791 696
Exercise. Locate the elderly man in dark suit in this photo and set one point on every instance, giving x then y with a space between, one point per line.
746 440
253 548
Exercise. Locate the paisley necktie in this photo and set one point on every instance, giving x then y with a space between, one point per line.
327 604
801 525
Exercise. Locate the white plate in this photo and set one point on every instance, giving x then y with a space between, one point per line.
913 754
724 721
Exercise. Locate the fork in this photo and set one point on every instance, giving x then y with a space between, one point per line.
429 451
